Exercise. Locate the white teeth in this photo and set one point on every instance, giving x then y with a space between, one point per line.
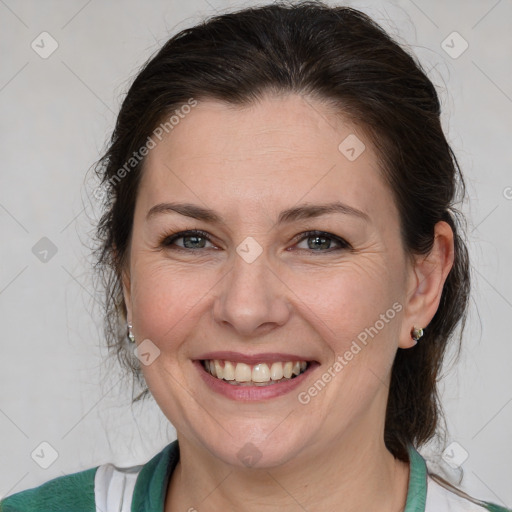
276 371
258 374
218 369
243 372
229 371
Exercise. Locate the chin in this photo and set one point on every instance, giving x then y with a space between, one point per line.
258 450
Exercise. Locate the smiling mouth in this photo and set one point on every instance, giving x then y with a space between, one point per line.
261 374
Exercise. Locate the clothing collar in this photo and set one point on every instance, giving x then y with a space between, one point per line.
417 490
151 486
153 480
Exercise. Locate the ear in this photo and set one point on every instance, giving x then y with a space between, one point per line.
425 284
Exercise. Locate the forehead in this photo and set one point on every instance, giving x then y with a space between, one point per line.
280 149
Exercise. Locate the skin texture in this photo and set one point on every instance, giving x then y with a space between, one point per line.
248 164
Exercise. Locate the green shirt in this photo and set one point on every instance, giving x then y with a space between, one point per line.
79 492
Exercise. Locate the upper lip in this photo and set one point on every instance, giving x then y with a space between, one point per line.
252 359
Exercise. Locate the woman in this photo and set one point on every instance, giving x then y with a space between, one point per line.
283 250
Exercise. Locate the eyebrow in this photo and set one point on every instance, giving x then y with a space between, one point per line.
304 211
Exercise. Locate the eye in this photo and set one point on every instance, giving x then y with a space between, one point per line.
321 241
192 239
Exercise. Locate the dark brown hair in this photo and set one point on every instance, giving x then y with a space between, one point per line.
337 55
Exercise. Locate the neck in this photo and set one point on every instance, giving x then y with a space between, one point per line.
351 475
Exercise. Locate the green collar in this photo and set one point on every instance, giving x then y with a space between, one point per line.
151 485
153 480
417 490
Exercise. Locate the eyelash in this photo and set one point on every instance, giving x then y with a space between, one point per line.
169 239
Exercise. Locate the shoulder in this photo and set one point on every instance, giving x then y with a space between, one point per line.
442 496
69 492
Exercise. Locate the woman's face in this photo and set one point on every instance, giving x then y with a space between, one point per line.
256 292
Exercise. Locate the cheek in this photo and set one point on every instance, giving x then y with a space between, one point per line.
165 300
342 302
356 310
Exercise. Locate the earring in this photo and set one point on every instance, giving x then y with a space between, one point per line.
416 334
131 337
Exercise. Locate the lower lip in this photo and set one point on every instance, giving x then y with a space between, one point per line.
252 393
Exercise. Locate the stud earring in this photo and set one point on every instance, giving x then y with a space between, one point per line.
416 334
131 337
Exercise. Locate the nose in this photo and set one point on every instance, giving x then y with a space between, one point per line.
253 299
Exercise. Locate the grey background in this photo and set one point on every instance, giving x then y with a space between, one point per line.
56 114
